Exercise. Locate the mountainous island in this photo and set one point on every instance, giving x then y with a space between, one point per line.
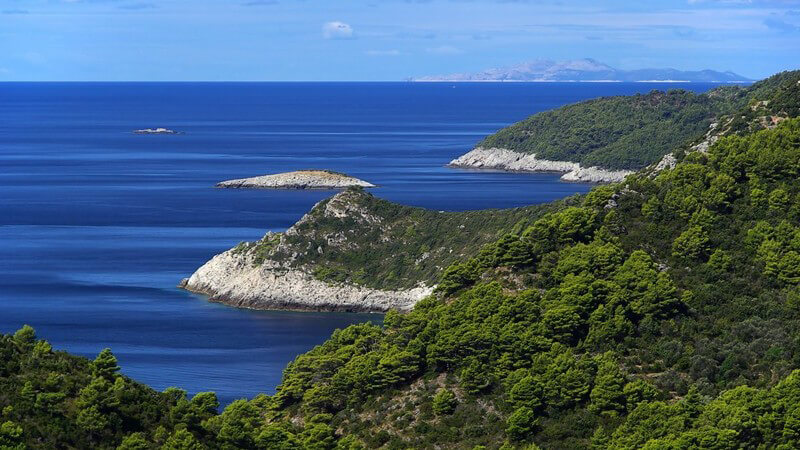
299 179
544 70
661 311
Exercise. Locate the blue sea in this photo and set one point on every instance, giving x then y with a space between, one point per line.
98 225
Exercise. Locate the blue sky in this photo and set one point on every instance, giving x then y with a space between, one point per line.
383 39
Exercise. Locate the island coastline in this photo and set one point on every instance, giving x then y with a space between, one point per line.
510 161
299 179
234 279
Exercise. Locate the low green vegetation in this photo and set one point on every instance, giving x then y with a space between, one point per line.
357 238
259 250
630 132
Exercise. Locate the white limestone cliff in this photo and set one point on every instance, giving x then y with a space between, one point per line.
504 159
235 280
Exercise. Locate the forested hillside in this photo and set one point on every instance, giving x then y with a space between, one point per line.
50 400
630 132
644 308
660 312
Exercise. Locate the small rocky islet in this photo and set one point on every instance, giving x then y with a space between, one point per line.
159 130
299 179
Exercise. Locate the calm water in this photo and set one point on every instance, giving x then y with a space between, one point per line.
97 225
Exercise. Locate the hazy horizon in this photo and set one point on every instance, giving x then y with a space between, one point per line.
387 40
670 82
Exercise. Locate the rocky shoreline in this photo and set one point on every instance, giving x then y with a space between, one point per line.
271 274
508 160
301 179
233 278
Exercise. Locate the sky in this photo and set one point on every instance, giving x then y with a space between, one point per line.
383 40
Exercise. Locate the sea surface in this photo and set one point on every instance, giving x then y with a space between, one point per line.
98 225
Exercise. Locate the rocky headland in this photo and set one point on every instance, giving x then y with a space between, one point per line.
300 179
275 273
235 279
352 252
503 159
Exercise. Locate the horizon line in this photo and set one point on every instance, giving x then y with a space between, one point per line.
745 81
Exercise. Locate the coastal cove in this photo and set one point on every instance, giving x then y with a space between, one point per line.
99 224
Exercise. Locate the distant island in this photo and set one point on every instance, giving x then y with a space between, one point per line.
577 70
300 179
159 130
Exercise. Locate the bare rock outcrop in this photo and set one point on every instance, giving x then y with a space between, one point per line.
300 179
504 159
233 278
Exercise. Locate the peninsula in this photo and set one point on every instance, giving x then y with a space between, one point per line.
352 252
300 179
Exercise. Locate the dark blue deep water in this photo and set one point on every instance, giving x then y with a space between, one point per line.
97 225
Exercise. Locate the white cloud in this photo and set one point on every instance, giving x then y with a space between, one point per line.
444 50
337 30
392 52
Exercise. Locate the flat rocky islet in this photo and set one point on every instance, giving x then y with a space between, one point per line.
299 179
159 130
